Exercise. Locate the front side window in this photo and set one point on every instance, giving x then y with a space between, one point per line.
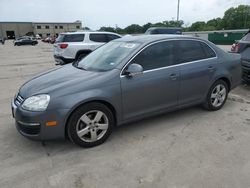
191 51
38 27
98 37
157 56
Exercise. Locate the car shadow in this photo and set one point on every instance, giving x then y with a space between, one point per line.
163 121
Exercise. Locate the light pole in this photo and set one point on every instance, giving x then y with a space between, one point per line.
178 10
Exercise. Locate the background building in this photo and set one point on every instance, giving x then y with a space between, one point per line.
11 30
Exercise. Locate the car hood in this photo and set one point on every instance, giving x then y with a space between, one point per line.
55 80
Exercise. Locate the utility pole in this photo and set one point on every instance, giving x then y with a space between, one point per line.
178 10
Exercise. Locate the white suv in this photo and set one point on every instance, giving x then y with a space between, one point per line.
73 46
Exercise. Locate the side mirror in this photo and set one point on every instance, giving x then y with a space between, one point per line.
134 69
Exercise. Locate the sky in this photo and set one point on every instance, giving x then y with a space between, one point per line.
121 13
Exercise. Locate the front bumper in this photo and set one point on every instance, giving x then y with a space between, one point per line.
61 60
246 71
33 124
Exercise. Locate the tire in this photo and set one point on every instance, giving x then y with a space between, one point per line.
90 125
81 56
217 96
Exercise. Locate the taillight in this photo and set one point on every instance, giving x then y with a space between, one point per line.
235 48
63 45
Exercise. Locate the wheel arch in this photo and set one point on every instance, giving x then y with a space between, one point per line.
225 79
106 103
78 53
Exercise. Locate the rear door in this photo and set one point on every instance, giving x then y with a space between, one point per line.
197 66
157 88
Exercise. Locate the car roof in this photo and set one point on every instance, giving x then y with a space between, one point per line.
84 32
154 38
152 28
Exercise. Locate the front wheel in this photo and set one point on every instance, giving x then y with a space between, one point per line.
90 125
217 96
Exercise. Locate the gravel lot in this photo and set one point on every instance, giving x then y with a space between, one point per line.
185 149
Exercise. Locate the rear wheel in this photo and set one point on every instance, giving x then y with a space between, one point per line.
217 96
90 125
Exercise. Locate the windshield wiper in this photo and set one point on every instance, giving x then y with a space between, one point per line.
75 64
81 68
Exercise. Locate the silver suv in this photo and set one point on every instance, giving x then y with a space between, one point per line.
73 46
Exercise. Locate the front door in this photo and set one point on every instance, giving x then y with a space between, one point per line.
157 87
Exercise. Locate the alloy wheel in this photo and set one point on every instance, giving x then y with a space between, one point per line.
218 95
92 126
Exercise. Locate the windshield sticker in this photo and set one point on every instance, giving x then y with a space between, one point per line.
128 45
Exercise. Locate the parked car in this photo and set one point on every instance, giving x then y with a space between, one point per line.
49 39
38 37
163 30
243 47
125 80
74 46
25 41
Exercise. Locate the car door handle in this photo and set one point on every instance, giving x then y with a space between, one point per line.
173 76
211 68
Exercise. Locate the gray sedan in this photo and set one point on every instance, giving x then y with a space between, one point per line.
125 80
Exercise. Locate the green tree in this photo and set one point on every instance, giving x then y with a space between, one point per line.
237 18
215 24
134 29
108 29
198 26
146 26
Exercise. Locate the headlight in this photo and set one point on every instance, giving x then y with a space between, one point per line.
36 103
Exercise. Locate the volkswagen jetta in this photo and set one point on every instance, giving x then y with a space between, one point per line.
125 80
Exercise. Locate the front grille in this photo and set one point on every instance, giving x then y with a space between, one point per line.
29 129
19 100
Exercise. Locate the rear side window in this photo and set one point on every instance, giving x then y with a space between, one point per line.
112 37
156 56
209 52
70 38
98 38
191 51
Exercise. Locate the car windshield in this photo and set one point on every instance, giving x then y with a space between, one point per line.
107 57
